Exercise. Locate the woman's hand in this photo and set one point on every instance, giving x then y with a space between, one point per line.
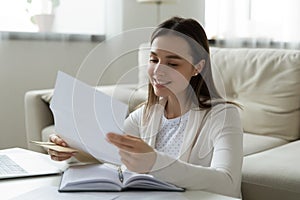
55 155
136 154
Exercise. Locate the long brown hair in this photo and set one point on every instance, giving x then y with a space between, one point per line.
202 84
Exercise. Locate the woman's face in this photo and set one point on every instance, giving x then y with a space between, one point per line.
170 66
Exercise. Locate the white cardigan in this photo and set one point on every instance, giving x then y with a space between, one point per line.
211 153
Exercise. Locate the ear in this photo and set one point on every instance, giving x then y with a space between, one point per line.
199 67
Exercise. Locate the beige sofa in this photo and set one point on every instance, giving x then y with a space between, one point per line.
265 81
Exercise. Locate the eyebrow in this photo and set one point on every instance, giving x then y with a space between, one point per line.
169 56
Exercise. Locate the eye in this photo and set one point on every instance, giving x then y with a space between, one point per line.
172 64
153 60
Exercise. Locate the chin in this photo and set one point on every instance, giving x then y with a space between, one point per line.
160 93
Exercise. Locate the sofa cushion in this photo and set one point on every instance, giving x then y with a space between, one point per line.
267 83
256 143
277 168
47 96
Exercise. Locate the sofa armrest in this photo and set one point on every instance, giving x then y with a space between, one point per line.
37 116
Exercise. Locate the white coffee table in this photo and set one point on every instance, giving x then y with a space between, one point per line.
21 187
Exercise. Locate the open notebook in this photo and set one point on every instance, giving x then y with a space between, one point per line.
107 177
17 162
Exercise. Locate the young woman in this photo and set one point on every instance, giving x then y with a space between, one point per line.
185 133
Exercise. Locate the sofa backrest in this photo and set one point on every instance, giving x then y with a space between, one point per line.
266 82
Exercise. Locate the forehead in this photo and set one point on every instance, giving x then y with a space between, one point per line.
173 45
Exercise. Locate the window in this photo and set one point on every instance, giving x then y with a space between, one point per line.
80 16
260 19
13 16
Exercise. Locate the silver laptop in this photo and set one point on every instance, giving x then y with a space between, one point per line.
17 162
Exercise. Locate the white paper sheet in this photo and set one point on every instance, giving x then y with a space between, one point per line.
83 116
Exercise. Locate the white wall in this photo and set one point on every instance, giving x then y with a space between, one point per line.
28 65
80 16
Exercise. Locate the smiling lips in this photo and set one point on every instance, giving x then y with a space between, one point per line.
159 83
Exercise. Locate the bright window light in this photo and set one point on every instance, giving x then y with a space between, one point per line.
80 16
14 17
263 19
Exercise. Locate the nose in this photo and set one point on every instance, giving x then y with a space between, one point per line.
159 69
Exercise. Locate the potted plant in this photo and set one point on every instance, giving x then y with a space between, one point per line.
42 13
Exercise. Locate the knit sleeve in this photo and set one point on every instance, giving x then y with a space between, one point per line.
222 174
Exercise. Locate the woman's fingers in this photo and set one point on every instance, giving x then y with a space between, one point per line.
123 146
129 143
133 137
55 155
57 140
125 141
59 156
56 158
